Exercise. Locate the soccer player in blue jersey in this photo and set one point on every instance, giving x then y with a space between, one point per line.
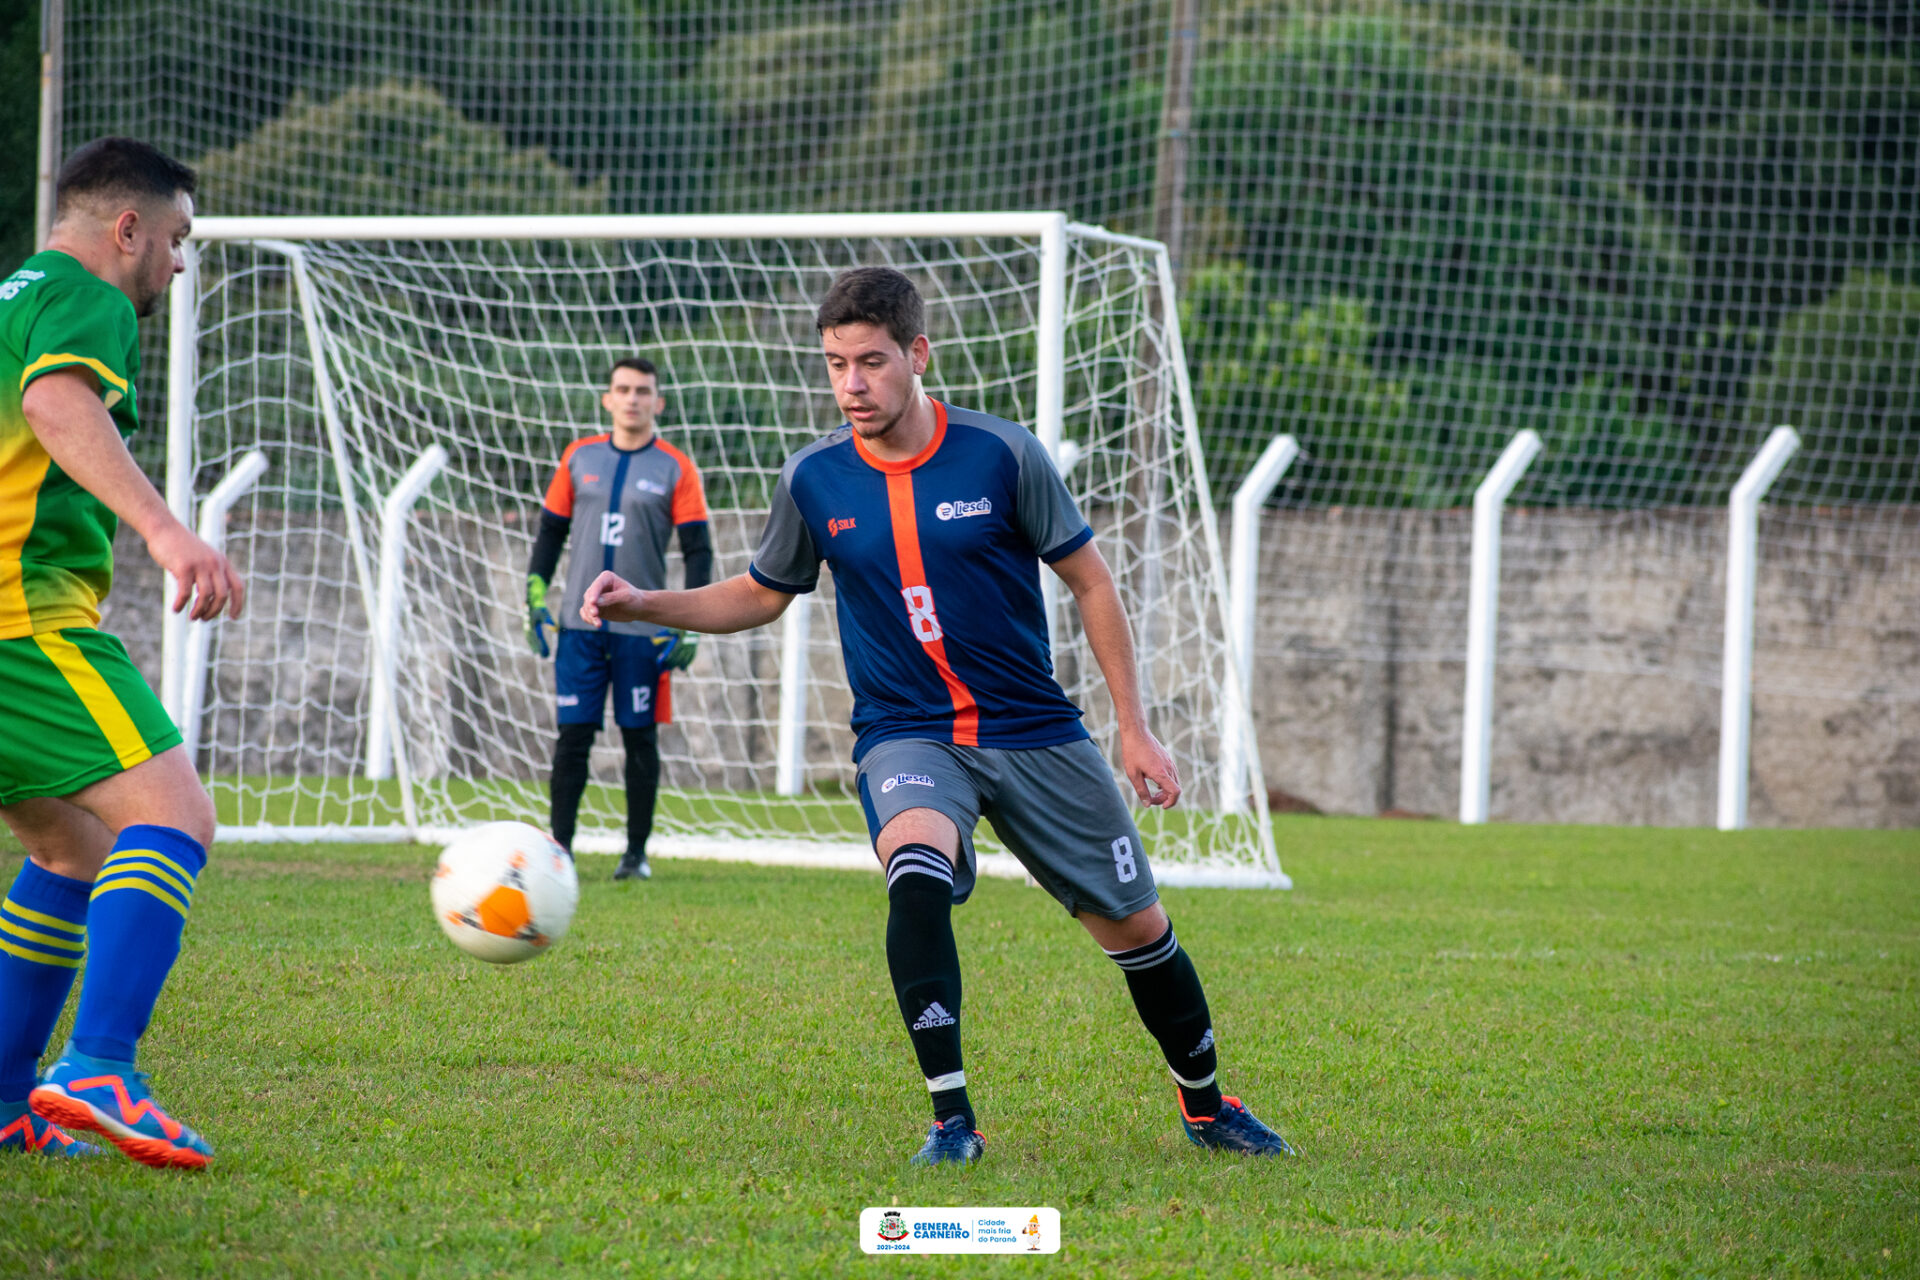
629 491
93 778
935 520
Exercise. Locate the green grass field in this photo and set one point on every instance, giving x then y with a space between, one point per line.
1503 1051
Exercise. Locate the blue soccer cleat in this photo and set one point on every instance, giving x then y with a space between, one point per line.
111 1099
21 1130
951 1143
1234 1128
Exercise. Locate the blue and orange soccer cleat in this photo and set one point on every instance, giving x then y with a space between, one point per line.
1234 1128
111 1099
21 1130
951 1143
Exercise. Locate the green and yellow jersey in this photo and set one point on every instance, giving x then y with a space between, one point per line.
56 539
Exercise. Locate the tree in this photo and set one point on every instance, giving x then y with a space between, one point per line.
390 148
1845 373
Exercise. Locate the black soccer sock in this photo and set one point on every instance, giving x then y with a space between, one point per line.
643 784
925 966
570 778
1167 992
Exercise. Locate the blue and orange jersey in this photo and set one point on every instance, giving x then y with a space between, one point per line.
936 571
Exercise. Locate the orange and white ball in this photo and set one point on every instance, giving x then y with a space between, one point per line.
505 892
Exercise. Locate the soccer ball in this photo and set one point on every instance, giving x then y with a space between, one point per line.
505 892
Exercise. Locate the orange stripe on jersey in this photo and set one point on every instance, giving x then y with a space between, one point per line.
559 495
913 574
689 498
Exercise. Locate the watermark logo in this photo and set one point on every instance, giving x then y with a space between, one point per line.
1029 1229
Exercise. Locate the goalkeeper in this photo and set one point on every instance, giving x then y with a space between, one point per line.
627 490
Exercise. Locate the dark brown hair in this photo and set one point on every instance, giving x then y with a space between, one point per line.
120 169
878 296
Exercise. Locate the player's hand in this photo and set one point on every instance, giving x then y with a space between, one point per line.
675 650
203 575
1145 760
611 598
537 615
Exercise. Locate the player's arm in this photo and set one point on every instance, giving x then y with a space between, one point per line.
64 411
1105 620
719 608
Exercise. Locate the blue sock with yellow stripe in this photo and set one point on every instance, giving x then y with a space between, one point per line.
43 929
139 908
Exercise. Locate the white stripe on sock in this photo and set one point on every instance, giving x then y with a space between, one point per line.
951 1080
1201 1083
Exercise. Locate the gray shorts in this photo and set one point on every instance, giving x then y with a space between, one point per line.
1056 808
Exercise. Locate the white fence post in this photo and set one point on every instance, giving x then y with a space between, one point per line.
1243 596
383 720
790 747
1483 617
1736 663
183 376
198 649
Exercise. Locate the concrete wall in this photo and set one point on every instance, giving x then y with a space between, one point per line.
1607 698
1607 689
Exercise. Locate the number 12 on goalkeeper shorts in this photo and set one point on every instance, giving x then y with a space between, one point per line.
926 623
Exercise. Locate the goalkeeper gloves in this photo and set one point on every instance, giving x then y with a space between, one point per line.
537 615
675 650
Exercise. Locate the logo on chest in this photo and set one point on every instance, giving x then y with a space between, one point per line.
961 510
836 527
645 485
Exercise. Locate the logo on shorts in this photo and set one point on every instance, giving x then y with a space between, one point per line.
568 700
836 527
961 510
905 780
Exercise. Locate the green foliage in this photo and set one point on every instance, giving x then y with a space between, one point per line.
19 128
1483 211
1846 375
390 148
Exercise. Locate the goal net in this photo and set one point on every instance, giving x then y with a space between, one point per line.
370 409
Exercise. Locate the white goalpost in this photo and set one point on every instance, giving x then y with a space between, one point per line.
402 388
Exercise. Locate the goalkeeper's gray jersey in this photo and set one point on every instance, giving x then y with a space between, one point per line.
624 505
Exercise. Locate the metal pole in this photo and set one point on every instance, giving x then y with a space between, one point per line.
213 531
53 40
383 719
1243 578
183 377
1736 663
1483 617
790 747
1176 124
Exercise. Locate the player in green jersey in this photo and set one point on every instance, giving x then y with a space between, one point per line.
93 779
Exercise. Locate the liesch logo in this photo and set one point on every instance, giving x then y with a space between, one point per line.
961 510
905 780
